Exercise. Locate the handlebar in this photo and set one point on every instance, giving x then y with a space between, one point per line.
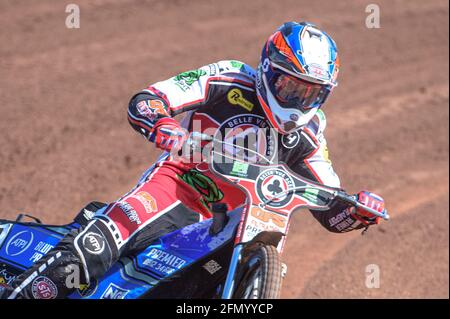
192 141
338 194
199 136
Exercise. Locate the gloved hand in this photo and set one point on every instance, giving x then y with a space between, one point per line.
168 135
371 200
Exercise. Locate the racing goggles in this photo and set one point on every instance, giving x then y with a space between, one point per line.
292 92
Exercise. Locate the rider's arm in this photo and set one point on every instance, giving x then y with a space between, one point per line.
168 98
188 91
316 166
151 111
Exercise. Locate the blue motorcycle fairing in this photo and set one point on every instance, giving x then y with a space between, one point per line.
26 243
131 277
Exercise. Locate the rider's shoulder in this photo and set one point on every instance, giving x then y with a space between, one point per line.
197 79
232 69
316 126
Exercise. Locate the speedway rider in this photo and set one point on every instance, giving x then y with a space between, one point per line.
296 74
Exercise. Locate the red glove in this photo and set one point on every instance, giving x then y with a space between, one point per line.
373 201
168 135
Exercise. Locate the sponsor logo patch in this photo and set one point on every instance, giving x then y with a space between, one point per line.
272 182
6 278
265 65
41 249
311 194
44 288
240 169
147 201
264 220
267 216
212 69
163 262
88 214
88 290
317 71
247 135
130 212
326 154
19 243
291 140
235 97
186 79
114 292
212 266
151 109
204 185
94 243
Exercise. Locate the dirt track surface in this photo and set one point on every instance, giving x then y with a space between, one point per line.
65 139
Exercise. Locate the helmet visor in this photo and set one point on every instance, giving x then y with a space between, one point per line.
292 92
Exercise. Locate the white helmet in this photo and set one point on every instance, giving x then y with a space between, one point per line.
297 72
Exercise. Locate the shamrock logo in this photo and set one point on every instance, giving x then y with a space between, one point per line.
275 187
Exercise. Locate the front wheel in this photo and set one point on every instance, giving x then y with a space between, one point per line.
260 274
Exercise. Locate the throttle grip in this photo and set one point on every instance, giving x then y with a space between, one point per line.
352 200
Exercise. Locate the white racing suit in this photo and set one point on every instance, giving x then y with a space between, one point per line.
218 97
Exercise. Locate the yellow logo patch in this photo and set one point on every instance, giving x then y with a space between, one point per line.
236 97
326 155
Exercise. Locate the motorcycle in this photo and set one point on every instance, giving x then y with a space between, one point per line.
235 254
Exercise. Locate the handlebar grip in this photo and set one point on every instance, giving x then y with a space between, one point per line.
200 136
349 199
